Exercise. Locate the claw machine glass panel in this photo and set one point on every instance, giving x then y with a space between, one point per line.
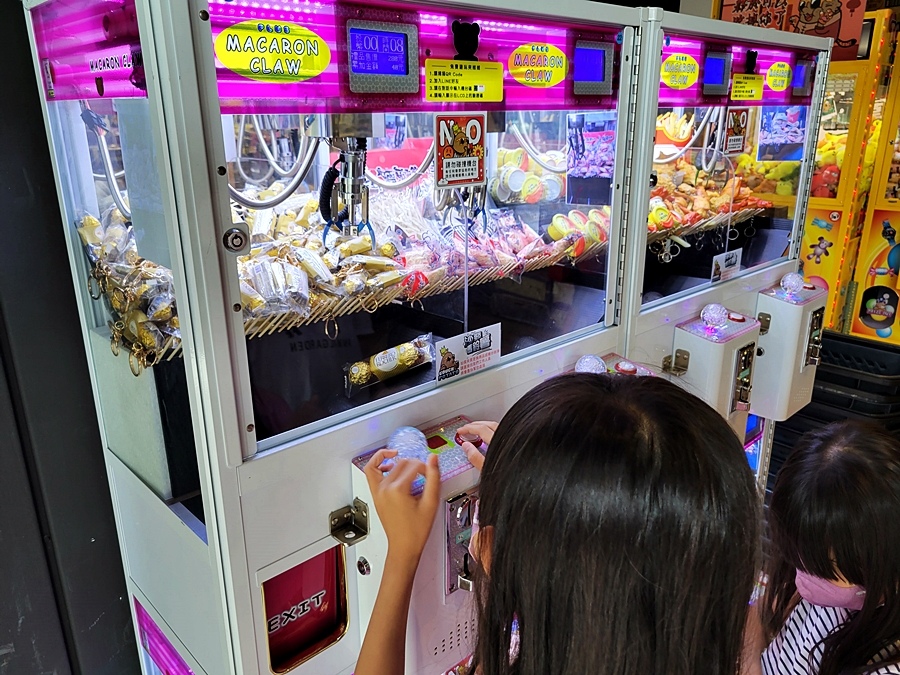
404 175
105 142
731 133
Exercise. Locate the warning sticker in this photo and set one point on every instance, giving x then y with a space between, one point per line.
460 149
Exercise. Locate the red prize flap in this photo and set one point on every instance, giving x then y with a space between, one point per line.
459 145
306 609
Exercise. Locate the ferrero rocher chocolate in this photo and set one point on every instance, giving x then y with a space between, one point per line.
359 373
389 363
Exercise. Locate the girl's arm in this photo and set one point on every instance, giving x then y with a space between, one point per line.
754 644
407 523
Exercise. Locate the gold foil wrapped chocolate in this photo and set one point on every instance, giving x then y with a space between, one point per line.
359 373
354 246
389 363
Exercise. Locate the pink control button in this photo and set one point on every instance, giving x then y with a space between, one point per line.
474 439
737 318
626 368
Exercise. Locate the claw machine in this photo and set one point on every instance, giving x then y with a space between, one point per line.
849 138
295 227
873 300
723 168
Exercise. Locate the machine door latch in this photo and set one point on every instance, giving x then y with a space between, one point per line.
350 524
765 322
677 365
742 395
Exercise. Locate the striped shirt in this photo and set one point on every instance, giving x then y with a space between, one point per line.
797 649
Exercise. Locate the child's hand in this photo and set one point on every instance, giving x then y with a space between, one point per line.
485 431
407 519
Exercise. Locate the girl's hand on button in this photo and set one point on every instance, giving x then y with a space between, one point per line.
407 519
484 430
474 455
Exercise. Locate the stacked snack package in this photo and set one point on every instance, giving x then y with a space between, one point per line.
140 292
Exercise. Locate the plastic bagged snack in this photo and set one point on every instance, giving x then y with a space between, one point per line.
252 301
389 363
354 284
267 277
117 240
354 246
91 233
314 266
372 263
161 308
385 280
297 287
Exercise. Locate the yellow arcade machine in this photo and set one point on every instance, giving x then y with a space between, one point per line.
847 147
873 298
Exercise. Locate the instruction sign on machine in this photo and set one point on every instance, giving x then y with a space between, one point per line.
460 149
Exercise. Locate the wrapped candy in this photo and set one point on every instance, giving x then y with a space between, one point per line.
385 280
354 246
354 284
314 266
372 263
252 301
161 308
332 259
297 287
388 364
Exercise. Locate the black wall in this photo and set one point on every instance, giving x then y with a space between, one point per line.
63 603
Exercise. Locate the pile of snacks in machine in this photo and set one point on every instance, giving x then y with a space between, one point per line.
687 197
297 273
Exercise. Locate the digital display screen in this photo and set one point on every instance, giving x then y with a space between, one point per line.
590 64
375 52
714 71
800 75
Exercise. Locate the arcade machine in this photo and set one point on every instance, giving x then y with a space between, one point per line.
729 167
873 299
846 151
296 227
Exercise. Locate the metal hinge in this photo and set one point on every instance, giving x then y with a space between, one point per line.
765 322
678 365
350 524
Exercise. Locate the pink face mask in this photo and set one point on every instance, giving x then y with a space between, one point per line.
826 594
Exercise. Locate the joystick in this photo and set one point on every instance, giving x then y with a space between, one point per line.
714 316
590 363
410 443
792 283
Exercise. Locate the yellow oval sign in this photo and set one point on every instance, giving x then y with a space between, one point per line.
272 51
779 76
679 71
538 65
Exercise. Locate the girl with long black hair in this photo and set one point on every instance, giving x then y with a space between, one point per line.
619 530
832 604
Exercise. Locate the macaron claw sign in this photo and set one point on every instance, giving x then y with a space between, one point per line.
538 64
272 51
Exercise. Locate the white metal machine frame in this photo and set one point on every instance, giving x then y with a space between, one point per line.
266 505
650 331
